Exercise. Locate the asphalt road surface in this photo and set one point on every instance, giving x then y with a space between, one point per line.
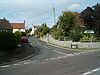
55 61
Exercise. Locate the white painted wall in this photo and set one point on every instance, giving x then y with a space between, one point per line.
21 30
33 30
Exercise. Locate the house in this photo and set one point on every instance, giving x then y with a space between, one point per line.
5 26
18 27
34 27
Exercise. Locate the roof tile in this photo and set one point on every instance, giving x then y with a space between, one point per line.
5 24
18 25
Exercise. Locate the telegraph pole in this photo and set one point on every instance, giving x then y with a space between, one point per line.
54 15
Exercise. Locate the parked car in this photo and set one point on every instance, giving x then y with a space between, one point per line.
24 39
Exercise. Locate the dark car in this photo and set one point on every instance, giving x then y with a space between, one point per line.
24 39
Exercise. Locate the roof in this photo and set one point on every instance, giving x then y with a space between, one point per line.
36 26
5 24
18 25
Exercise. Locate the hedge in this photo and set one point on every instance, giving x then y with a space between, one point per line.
8 41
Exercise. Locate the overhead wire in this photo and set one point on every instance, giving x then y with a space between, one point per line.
40 14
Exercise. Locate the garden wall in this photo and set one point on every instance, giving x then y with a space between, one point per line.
70 44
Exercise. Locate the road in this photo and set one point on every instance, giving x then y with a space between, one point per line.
55 61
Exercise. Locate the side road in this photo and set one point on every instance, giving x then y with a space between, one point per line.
25 51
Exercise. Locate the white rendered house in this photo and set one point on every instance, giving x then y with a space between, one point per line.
33 29
18 27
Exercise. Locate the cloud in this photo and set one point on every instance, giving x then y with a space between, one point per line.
73 6
39 11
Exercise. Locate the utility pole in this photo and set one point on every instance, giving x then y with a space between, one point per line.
54 15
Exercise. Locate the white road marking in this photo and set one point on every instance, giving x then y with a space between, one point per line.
76 54
46 59
59 57
67 55
52 58
33 61
64 56
39 44
27 63
60 52
90 72
87 73
5 66
56 58
16 64
46 47
96 70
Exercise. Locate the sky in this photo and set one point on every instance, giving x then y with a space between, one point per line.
36 12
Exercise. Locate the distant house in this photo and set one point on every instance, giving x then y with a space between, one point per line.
5 26
18 27
34 27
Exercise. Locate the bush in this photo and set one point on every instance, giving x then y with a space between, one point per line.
8 41
88 37
76 38
18 36
23 33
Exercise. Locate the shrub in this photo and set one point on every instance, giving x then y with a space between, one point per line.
18 36
23 33
8 41
88 37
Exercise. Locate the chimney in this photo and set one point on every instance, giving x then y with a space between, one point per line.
4 18
24 21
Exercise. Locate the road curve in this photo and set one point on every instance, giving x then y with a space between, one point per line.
54 61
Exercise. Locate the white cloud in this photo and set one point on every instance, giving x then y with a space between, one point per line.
73 6
39 11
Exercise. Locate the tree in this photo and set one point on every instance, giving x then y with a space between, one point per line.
28 30
45 29
42 30
87 16
65 25
91 18
97 18
57 33
66 22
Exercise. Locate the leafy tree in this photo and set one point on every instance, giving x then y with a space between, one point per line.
57 33
28 30
76 33
45 29
87 16
65 26
66 22
38 31
42 30
91 18
97 18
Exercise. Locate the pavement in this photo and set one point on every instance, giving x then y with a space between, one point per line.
25 51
